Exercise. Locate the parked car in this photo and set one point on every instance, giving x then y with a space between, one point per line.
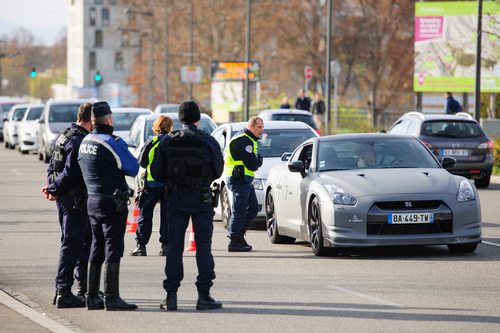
279 137
141 131
363 190
27 128
56 117
459 136
124 118
166 108
14 116
5 105
290 115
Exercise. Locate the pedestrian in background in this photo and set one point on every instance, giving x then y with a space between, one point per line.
285 104
318 110
105 161
152 193
66 186
303 102
189 160
242 160
452 105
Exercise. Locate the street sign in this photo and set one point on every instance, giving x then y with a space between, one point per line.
308 73
191 74
335 68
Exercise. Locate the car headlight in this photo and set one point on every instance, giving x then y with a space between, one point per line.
258 184
465 191
340 197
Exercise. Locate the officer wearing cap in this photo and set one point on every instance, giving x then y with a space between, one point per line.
65 185
105 160
242 160
189 160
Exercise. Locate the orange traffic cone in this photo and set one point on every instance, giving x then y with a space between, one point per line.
192 243
133 222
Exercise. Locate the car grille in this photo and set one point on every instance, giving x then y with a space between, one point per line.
377 219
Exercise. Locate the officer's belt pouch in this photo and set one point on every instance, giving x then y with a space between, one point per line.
238 171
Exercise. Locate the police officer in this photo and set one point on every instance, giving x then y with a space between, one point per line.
242 160
189 160
105 160
65 185
152 193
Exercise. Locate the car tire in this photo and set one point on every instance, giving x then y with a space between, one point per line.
316 230
462 248
11 146
6 144
225 207
272 223
24 152
484 182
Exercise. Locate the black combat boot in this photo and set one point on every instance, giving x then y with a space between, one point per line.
206 302
81 289
66 299
93 299
112 299
163 250
243 240
170 303
139 251
236 245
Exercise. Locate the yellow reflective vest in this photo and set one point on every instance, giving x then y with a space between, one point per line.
230 162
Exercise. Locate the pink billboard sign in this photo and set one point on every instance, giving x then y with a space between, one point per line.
428 27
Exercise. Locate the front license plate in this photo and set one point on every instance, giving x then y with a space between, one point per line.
413 218
454 152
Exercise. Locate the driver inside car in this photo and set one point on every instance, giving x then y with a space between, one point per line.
367 157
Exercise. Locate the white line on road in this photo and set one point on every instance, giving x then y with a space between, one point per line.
17 172
365 296
33 315
492 244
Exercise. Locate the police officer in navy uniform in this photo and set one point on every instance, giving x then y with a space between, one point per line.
242 160
189 160
152 193
65 185
105 161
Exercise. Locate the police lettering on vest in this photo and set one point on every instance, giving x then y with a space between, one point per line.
86 148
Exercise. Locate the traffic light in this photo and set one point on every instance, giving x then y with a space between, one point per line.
98 78
33 73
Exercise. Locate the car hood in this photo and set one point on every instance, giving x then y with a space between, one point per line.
390 181
267 164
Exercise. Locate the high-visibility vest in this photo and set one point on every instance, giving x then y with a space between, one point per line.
151 156
230 162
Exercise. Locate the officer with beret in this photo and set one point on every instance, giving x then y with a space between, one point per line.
65 185
242 160
105 160
189 160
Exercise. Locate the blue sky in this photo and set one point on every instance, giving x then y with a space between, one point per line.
43 18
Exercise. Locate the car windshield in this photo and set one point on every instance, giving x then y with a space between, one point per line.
4 107
63 113
124 120
305 118
205 125
451 129
374 154
169 108
35 113
275 142
18 114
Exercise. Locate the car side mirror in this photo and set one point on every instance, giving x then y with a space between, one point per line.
297 166
448 162
286 156
40 121
5 119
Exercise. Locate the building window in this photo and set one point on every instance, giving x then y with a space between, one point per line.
125 40
98 38
105 16
98 2
119 61
93 16
92 60
113 2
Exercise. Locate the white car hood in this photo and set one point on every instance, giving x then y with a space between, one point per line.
389 181
267 164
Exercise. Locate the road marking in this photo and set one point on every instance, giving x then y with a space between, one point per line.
365 296
33 315
17 172
492 244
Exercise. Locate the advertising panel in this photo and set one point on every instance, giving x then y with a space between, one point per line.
445 46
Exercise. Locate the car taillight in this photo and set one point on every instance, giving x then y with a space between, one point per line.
427 144
487 144
318 131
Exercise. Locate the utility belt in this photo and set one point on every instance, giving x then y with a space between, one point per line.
208 194
120 197
79 198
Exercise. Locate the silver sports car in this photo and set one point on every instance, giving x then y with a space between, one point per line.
358 190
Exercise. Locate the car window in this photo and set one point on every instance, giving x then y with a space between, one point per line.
4 107
18 114
34 113
63 113
374 154
124 120
451 129
295 117
276 142
135 132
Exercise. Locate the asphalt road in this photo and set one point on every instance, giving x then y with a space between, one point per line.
274 288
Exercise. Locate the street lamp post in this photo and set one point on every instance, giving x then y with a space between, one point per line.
328 59
247 59
477 90
191 45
